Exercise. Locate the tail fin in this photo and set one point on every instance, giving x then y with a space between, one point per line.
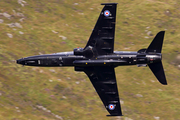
156 44
156 47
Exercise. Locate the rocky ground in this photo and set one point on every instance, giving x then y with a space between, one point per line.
33 27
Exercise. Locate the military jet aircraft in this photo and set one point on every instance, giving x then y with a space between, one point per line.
98 59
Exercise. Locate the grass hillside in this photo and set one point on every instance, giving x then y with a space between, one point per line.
33 27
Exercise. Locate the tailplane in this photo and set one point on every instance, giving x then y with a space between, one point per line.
156 44
156 47
158 71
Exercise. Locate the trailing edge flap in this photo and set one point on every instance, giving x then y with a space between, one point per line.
158 71
102 37
104 81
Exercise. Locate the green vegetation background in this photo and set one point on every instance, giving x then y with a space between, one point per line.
34 27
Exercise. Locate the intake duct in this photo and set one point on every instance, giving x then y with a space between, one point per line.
88 52
78 51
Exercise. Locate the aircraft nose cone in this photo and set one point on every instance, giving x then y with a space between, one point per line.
20 61
17 61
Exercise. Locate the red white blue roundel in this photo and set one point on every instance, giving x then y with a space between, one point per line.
107 13
111 107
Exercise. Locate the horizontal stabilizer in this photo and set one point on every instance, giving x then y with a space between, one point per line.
158 71
156 44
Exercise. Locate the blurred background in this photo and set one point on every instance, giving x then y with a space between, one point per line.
33 27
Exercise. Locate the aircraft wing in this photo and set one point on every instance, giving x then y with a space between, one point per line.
104 81
102 37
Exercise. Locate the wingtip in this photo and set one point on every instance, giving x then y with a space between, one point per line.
114 115
109 3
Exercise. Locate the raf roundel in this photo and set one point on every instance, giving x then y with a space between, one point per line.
111 107
107 13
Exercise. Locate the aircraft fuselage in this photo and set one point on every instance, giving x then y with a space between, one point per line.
65 59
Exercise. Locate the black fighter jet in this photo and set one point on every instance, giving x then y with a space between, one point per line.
98 59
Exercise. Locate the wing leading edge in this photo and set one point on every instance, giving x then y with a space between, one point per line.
104 81
102 37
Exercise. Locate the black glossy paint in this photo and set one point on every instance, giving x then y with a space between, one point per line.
98 59
115 59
